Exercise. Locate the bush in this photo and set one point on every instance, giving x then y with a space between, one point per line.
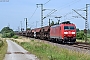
3 35
1 43
80 35
8 35
7 32
15 36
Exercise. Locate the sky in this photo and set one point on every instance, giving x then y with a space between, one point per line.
13 12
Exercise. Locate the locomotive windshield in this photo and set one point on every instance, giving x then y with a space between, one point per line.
69 27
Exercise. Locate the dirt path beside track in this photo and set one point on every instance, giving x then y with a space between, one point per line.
16 52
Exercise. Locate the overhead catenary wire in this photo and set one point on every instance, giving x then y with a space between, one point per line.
49 14
33 13
72 17
73 12
47 2
69 4
67 14
80 9
66 6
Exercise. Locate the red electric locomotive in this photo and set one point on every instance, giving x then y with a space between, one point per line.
65 32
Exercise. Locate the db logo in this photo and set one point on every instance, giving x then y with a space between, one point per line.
69 32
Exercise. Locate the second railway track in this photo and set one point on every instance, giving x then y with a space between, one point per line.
82 45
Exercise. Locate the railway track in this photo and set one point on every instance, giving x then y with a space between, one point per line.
82 45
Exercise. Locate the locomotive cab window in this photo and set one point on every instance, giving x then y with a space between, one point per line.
66 27
72 28
69 27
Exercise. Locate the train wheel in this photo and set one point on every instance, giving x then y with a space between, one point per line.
63 42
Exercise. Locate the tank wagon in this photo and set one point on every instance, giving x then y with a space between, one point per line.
65 32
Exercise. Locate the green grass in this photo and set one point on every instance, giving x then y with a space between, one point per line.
3 50
46 51
78 40
15 37
88 40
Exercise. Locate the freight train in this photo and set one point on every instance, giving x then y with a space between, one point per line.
64 32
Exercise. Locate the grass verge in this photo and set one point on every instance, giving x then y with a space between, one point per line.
88 40
3 50
45 51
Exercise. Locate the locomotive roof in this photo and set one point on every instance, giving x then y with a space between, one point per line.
61 24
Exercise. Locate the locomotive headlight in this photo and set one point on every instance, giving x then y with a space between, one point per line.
65 32
73 32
